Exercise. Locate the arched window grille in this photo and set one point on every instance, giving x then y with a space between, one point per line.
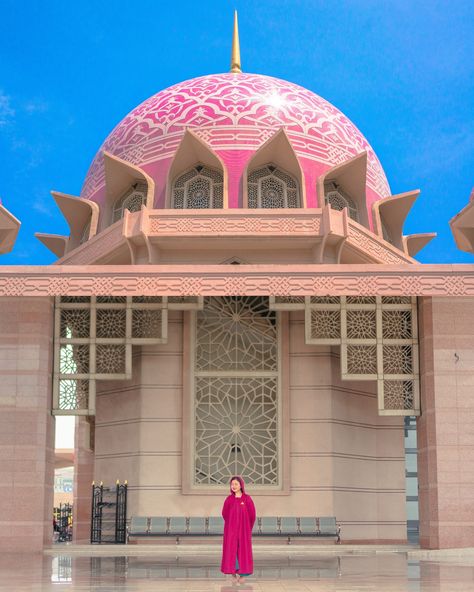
235 364
270 187
85 233
199 188
338 199
132 200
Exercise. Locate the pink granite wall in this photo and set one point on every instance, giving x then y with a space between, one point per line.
83 477
446 427
26 424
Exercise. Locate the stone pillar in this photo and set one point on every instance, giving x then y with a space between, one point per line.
26 424
446 427
83 477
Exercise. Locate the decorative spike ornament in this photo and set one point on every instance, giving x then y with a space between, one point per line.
235 65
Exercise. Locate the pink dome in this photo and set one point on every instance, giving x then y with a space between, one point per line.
236 114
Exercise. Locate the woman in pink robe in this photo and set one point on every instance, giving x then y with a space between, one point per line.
238 512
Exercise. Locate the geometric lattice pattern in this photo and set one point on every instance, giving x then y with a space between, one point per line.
378 338
199 188
338 199
236 429
361 361
236 334
398 394
379 342
132 200
236 391
270 187
93 341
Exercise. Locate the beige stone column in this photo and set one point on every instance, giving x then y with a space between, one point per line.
26 424
83 477
446 427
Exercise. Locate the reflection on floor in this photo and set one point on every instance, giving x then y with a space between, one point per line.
377 572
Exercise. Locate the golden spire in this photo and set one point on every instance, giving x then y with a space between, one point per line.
235 66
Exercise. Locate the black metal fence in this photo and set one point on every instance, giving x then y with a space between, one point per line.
62 523
109 514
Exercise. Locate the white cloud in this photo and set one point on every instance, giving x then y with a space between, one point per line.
36 106
6 110
42 208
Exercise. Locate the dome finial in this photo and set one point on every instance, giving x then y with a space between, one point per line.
235 66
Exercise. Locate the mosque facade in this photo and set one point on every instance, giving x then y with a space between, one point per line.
236 296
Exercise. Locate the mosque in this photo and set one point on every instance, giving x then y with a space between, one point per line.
236 296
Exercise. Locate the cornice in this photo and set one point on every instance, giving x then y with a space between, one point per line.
220 280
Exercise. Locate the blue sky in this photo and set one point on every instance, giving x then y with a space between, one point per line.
402 71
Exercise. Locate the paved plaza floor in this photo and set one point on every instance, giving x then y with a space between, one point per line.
277 569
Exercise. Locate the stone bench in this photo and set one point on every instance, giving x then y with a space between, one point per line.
178 527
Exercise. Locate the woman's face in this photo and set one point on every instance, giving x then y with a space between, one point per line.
235 486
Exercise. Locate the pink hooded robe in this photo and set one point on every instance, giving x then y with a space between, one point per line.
239 518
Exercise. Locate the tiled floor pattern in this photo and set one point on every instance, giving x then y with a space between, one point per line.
375 572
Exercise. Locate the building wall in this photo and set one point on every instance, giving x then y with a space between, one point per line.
26 424
445 429
345 460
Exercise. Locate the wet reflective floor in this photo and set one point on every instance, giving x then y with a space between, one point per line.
276 572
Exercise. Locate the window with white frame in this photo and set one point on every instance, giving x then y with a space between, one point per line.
132 200
271 187
200 187
338 199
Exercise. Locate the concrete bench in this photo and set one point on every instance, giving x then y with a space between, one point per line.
179 527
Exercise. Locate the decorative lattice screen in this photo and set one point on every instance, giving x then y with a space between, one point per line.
236 392
132 200
378 338
199 188
270 187
94 338
339 199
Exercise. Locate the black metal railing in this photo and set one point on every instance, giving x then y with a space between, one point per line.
63 522
109 514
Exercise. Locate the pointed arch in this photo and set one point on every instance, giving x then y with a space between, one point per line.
278 152
79 213
122 181
390 215
349 181
9 227
191 152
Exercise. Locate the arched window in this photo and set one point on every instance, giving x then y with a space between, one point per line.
338 199
270 187
198 188
235 363
132 200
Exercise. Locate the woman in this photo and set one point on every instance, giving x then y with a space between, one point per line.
238 512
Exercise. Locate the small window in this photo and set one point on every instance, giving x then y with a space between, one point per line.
270 187
199 188
132 200
338 199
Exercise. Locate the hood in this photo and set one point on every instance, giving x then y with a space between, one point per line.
240 480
